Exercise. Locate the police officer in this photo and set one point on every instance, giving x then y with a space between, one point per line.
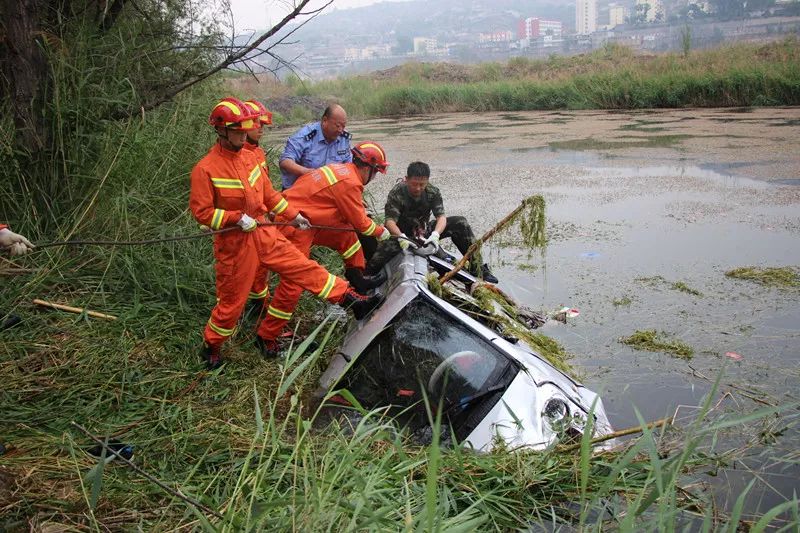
315 145
408 211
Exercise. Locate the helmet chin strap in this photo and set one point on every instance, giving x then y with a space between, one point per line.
372 171
230 144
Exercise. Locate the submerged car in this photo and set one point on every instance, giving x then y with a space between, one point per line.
419 354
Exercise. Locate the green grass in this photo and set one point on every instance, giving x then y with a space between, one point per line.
609 78
254 450
653 341
247 443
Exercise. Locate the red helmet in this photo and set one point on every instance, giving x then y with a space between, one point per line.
264 116
233 114
371 154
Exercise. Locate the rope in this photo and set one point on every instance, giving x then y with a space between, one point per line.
173 238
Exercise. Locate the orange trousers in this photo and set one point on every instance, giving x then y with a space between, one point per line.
236 275
288 292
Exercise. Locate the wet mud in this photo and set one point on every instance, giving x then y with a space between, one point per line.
676 196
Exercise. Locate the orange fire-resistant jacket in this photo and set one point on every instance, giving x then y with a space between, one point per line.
327 196
333 196
227 184
261 156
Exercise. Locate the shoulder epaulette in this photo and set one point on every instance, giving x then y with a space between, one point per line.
310 135
346 134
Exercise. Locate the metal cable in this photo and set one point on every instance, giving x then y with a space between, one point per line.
173 238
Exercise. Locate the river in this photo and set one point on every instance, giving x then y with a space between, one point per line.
638 201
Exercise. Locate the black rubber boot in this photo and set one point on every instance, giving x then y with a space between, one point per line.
9 321
487 275
360 305
269 349
362 283
212 356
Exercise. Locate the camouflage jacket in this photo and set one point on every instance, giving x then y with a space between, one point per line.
410 213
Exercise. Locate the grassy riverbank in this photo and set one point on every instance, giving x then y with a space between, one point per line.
613 77
244 443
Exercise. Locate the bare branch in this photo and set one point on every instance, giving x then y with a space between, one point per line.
111 17
229 60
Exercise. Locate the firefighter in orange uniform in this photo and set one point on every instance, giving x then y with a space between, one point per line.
329 196
260 290
229 189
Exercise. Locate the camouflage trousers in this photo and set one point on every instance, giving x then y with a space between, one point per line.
457 230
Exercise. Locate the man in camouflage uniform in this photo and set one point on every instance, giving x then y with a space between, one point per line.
408 214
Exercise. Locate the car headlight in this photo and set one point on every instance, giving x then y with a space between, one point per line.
555 411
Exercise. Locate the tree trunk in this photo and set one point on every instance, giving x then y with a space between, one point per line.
25 68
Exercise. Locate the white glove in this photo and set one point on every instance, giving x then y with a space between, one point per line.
247 223
302 222
432 239
384 234
403 241
18 244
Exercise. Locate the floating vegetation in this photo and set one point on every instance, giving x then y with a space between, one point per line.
624 301
770 276
653 341
681 286
674 285
527 268
651 280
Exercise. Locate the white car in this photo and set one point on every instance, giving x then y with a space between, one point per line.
490 389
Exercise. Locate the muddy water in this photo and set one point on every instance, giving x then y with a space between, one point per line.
637 201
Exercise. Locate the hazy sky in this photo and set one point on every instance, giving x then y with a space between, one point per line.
260 14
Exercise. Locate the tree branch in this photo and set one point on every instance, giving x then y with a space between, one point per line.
229 60
111 17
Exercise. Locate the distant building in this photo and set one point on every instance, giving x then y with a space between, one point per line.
533 27
585 17
496 37
424 46
616 15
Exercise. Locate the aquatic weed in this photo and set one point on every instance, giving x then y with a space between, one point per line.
769 276
681 286
624 301
653 341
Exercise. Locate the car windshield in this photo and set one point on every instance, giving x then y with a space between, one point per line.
426 352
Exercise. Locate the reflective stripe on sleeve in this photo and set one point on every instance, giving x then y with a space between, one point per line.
371 229
326 290
329 175
277 313
216 220
350 252
280 207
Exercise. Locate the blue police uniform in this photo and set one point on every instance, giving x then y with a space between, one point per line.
309 148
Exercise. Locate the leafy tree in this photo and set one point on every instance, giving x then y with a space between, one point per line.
71 68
